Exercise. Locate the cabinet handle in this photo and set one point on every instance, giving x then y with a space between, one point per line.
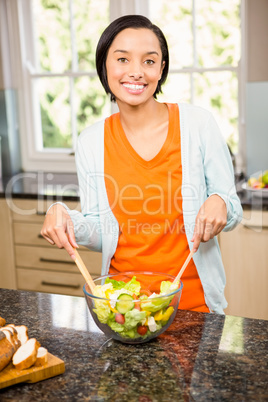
40 213
62 285
41 259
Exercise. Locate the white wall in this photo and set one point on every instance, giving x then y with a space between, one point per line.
257 86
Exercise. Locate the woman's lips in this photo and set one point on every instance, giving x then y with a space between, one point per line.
134 88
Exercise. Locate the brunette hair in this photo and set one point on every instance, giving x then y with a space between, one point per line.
107 37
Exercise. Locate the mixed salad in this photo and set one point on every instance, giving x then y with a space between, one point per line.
131 311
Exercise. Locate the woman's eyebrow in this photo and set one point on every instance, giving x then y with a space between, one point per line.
153 52
120 51
125 51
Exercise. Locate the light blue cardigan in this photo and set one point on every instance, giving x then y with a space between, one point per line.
206 169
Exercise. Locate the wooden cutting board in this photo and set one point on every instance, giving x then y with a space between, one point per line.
10 375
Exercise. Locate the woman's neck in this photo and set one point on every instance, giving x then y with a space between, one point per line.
146 128
137 119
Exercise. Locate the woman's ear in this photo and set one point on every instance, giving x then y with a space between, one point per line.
162 69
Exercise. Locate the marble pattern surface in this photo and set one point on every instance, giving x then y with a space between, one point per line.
201 357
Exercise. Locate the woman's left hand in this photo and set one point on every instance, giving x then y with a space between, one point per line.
210 220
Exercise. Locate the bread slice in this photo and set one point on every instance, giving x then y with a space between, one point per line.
2 322
42 357
26 355
6 351
11 327
9 335
22 331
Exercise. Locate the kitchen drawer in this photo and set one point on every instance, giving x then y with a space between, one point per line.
50 282
55 259
34 210
29 233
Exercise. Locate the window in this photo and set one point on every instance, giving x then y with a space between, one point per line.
61 93
66 96
64 78
204 38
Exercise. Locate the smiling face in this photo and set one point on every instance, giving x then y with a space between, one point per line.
134 66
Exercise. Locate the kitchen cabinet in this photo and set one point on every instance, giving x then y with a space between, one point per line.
40 266
7 268
245 257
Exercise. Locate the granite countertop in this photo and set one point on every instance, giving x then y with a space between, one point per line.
41 185
201 357
64 187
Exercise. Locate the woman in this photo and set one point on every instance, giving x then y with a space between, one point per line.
155 179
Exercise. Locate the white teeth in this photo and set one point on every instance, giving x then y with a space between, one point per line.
132 86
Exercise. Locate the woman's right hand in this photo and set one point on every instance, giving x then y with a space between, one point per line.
58 229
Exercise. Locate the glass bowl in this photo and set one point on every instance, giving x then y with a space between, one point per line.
129 317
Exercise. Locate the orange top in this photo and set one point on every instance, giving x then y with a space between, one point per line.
145 197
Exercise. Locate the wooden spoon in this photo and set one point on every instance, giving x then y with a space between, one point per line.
184 266
82 268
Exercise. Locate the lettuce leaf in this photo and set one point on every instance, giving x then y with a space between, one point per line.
102 311
157 303
115 326
133 285
115 284
132 333
102 308
128 330
168 287
133 317
99 290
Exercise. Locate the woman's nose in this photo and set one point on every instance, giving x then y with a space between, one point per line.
136 72
136 76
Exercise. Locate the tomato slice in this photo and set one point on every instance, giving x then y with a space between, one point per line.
120 318
142 329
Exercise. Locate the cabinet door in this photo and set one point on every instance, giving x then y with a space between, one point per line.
245 258
29 233
7 268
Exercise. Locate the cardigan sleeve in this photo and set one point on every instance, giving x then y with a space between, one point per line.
87 228
86 223
219 173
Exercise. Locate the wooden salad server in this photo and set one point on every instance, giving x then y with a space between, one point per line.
83 269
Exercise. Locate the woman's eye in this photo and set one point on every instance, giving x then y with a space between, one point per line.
149 62
122 60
